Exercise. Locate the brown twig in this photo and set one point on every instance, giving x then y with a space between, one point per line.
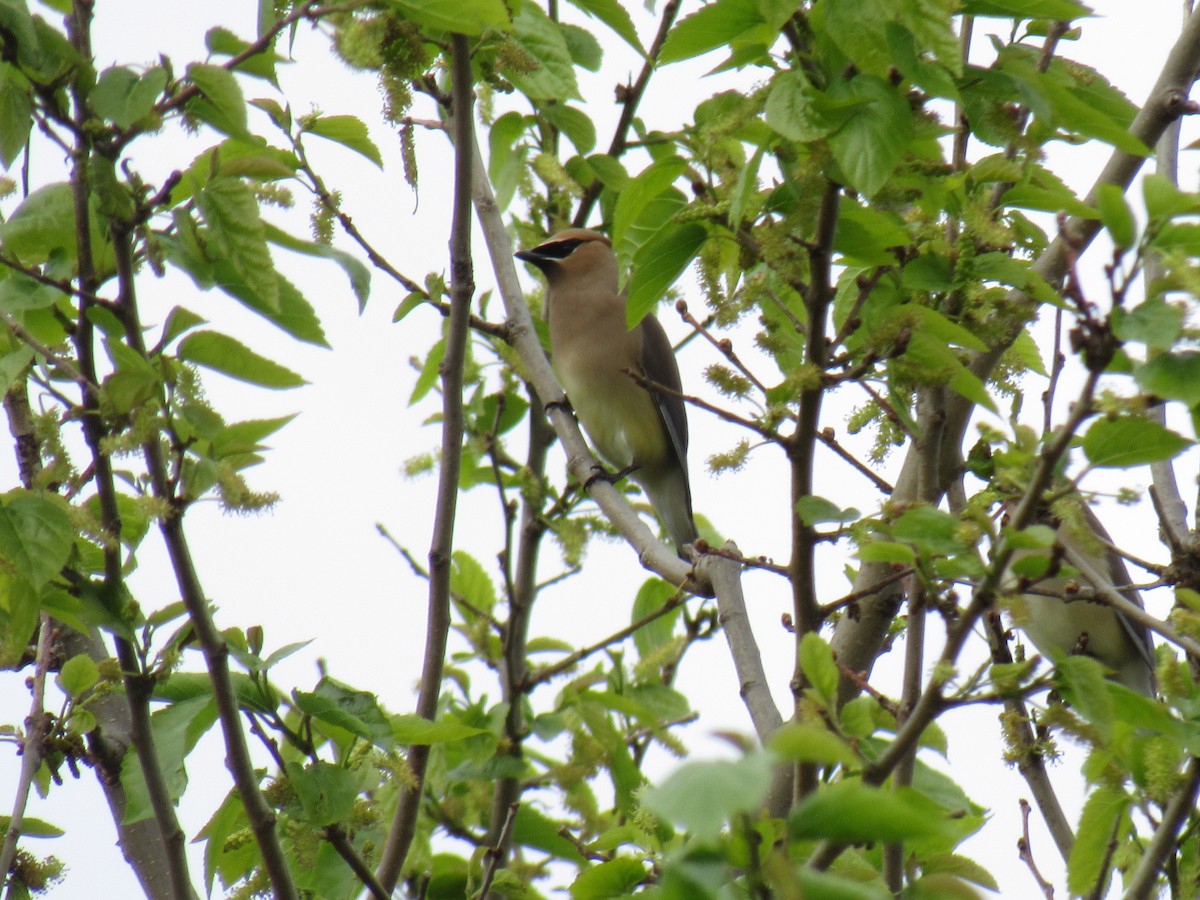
630 96
404 822
546 673
37 726
494 855
1025 852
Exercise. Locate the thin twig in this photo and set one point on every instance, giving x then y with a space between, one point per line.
630 96
1025 852
341 843
37 726
546 673
494 855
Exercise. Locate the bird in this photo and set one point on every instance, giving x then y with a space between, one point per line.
640 432
1072 615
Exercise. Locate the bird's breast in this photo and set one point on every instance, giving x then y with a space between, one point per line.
616 412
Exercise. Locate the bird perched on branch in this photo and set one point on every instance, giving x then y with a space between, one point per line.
1073 614
643 433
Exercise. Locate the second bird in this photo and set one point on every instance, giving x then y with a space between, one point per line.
633 429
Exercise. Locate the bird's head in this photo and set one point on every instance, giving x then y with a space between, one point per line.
574 252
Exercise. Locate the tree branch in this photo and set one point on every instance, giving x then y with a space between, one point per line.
437 627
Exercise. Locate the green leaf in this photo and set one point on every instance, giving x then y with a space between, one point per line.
359 274
1128 441
800 112
326 792
1105 816
1116 215
411 729
651 597
1172 376
744 190
44 225
805 742
816 510
429 373
1025 349
78 675
228 356
16 115
176 729
347 708
1075 113
1064 10
226 107
931 23
1082 680
817 663
231 211
851 812
16 22
245 437
870 145
223 42
540 36
703 796
1029 196
470 17
36 536
179 322
1166 201
506 156
81 721
866 236
289 310
930 530
574 123
585 49
471 582
30 826
650 183
887 552
969 385
613 878
123 96
658 263
613 14
859 29
1017 273
1155 323
715 25
348 131
533 828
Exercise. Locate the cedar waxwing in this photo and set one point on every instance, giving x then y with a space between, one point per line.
640 432
1070 614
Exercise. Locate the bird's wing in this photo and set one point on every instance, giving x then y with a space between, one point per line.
658 365
1139 633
